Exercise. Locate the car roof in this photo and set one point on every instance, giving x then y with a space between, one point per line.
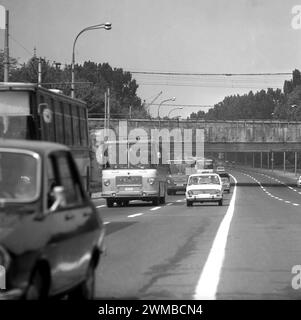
41 147
204 174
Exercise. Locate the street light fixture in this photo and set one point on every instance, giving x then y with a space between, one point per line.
106 26
179 108
163 101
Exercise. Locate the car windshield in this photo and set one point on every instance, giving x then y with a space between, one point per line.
18 176
208 179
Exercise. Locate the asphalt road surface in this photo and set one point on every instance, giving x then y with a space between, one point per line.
245 249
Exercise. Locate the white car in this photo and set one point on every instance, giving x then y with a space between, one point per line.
299 182
206 187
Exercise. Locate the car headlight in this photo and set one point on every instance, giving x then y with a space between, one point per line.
106 182
4 258
151 180
189 193
168 181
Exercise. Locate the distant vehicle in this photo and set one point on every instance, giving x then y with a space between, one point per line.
204 188
179 171
204 165
226 181
299 182
30 112
220 169
51 236
123 182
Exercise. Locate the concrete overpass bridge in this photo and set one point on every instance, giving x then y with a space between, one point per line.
233 138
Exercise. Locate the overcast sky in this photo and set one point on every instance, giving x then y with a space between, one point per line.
186 36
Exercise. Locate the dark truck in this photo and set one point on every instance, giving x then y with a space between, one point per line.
51 235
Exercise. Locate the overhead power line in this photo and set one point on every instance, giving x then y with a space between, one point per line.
210 74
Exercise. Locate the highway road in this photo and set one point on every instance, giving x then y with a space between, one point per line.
245 249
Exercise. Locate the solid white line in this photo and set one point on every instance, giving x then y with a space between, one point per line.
209 278
135 215
103 205
156 208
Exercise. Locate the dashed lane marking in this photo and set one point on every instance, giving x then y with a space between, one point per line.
135 215
155 208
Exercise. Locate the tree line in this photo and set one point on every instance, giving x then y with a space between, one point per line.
265 104
92 81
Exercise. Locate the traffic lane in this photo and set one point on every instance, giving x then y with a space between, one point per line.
264 244
161 253
135 207
277 189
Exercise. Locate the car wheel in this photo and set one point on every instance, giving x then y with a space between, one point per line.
36 289
220 203
189 203
155 201
162 200
109 203
85 291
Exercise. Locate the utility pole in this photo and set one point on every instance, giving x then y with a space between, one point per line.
40 72
108 104
6 48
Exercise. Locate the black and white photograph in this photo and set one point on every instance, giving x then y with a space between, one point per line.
150 150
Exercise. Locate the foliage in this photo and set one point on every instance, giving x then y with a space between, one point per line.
92 81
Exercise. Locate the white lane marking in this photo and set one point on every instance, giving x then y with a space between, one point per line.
135 215
103 205
169 204
291 188
287 201
296 204
106 222
179 200
209 278
156 208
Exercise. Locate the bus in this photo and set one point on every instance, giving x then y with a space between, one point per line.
127 180
179 171
28 111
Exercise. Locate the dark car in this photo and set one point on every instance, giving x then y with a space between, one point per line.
226 181
51 236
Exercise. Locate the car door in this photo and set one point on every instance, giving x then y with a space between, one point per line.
75 224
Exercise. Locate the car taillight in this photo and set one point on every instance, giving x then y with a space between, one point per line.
106 182
151 180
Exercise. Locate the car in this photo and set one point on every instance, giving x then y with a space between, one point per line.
220 169
226 181
52 236
299 182
205 187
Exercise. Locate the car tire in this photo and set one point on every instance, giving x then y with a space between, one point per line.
36 289
110 203
156 201
220 202
85 291
162 200
189 203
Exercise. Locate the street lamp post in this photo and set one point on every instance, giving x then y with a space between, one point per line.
106 26
180 108
163 101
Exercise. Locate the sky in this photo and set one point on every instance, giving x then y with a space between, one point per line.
175 36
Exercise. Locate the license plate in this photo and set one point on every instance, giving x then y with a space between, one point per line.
129 189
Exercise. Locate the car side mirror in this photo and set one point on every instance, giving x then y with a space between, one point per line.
59 195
